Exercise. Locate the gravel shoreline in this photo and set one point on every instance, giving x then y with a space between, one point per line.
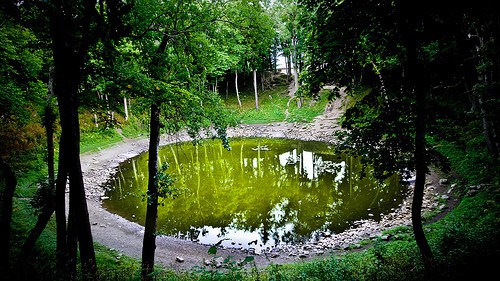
126 237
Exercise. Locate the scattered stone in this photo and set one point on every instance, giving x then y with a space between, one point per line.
95 176
218 262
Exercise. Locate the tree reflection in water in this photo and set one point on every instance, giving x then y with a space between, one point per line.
262 193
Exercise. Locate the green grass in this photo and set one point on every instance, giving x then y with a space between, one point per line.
465 244
273 104
98 139
475 168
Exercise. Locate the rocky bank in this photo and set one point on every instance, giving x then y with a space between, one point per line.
125 237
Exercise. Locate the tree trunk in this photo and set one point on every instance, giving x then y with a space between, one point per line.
109 119
255 89
421 169
414 85
48 209
67 64
66 90
489 132
49 120
485 78
35 233
262 78
8 176
295 62
125 108
289 66
149 242
236 87
60 209
71 242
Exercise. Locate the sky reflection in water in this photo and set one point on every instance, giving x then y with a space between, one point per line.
262 193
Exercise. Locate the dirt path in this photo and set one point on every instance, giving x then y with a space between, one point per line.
126 237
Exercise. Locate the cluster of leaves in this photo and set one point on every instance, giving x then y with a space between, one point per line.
44 196
378 133
165 183
21 88
359 45
234 269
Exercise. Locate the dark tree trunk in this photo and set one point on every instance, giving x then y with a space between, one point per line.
149 242
421 170
48 209
8 176
36 231
70 151
487 76
49 120
69 53
60 209
414 84
289 66
71 242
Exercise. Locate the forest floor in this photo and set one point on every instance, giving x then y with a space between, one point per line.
126 237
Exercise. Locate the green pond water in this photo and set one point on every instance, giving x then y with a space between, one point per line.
261 193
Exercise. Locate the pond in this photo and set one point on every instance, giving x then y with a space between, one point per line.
262 193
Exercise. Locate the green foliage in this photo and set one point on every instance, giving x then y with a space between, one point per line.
44 195
165 183
403 233
380 124
469 236
380 130
20 66
232 269
349 41
255 33
21 90
135 126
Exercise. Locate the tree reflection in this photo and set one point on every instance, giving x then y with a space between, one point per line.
256 193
